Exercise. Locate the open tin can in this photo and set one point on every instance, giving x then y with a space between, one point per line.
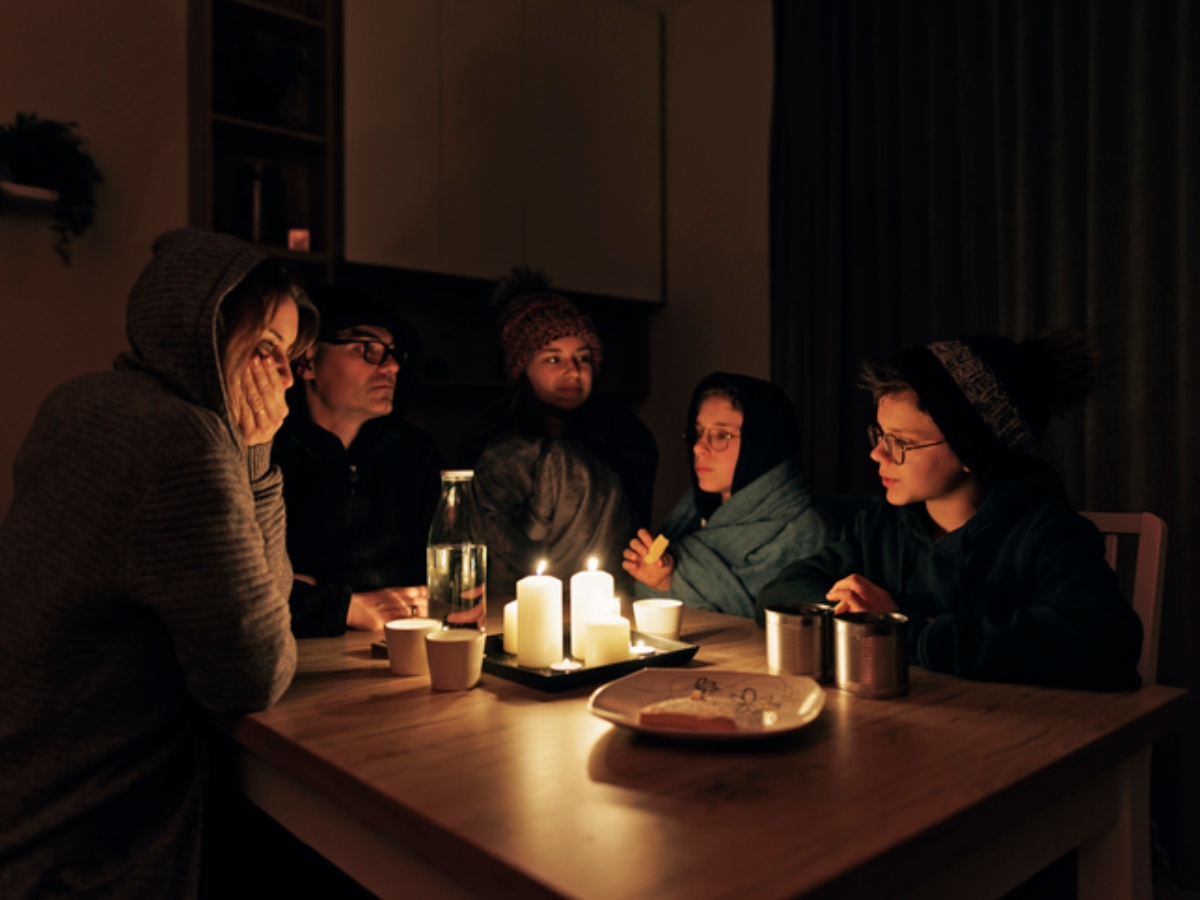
871 654
800 639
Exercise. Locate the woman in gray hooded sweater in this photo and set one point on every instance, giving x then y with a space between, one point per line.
143 577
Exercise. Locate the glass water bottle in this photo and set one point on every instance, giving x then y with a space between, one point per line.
456 566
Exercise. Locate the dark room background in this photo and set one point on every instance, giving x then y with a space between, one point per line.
941 169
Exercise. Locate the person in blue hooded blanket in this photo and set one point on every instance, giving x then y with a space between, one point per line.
749 512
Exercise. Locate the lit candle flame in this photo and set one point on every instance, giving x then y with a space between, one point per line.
541 567
593 564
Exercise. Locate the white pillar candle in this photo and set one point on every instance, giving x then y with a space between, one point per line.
607 640
539 612
590 592
510 628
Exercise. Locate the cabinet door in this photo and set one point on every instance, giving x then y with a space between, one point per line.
482 134
593 198
433 134
482 204
392 105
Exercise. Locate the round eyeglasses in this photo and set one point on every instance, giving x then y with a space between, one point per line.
893 446
374 352
716 439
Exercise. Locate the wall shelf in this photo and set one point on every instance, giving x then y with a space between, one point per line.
265 91
27 197
275 131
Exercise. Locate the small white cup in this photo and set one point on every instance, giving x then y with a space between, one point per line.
406 645
455 658
663 618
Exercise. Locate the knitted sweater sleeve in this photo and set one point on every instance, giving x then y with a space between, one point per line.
206 554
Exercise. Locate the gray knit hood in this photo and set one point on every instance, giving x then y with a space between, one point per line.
171 321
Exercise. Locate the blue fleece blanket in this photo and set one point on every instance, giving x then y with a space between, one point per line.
722 565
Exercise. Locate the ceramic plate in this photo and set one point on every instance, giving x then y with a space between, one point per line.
761 705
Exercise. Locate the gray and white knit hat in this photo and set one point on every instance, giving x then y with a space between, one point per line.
985 394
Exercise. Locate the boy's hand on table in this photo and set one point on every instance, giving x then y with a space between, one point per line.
856 594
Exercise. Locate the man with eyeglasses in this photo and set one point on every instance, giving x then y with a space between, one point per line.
360 482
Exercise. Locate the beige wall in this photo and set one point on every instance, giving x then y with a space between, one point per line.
119 69
718 116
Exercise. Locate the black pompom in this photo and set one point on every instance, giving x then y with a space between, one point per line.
520 282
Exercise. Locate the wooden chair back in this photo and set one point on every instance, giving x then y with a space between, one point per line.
1149 532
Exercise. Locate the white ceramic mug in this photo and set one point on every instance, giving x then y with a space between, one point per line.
663 618
406 645
455 658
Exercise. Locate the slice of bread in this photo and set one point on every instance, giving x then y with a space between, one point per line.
657 549
694 713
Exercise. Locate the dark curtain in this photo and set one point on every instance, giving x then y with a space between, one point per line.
941 169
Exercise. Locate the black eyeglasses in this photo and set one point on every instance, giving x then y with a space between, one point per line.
893 446
374 352
717 439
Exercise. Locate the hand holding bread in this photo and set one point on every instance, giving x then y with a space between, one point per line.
646 561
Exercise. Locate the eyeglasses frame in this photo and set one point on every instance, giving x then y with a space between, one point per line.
704 435
877 436
400 356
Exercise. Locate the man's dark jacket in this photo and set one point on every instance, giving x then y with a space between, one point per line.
358 518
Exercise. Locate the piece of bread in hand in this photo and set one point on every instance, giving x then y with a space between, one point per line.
657 549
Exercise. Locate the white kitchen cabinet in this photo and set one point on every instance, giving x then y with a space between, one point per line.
482 134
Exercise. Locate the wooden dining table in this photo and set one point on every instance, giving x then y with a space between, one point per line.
955 789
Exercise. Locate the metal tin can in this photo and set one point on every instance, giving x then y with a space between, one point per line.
800 639
871 654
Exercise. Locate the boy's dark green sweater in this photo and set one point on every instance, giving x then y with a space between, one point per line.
1021 593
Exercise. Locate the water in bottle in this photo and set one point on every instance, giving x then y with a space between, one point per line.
456 566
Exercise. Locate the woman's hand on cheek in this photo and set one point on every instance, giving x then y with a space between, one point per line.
656 574
259 407
856 594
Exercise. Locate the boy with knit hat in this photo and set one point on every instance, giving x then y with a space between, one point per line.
977 544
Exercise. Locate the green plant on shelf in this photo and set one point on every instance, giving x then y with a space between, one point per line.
45 153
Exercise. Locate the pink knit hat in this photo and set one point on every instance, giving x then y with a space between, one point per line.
534 320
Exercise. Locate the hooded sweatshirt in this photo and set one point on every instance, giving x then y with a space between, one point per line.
726 552
143 583
1020 593
358 517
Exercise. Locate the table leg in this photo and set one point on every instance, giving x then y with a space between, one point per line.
1116 861
1107 820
